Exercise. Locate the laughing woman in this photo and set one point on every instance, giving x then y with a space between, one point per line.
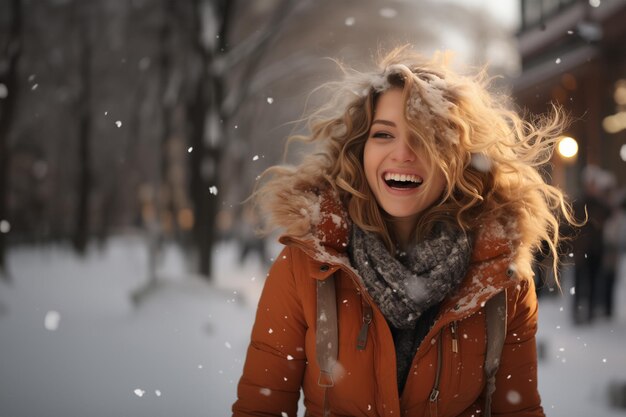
405 286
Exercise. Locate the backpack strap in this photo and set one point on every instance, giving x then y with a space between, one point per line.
326 338
496 315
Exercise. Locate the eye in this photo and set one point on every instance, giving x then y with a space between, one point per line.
382 135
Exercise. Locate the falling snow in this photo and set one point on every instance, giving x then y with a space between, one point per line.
118 123
213 190
388 12
5 226
52 320
350 21
481 162
270 100
139 392
513 397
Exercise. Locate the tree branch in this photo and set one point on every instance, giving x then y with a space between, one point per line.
283 12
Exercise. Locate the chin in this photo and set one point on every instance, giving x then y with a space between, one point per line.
402 213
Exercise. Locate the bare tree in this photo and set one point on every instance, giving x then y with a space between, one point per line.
210 108
81 19
11 50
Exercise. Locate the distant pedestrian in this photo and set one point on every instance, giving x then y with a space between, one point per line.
614 242
250 242
589 241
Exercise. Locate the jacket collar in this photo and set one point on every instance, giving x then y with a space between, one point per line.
329 229
328 226
492 265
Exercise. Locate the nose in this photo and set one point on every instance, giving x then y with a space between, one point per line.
402 152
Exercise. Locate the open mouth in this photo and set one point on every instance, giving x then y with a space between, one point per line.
402 181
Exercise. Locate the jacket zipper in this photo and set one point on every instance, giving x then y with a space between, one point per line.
361 340
434 394
455 340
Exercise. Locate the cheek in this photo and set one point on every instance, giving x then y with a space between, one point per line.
440 184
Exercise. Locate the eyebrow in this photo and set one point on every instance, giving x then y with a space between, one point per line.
384 122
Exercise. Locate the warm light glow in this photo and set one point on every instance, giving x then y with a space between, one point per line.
568 147
620 92
615 123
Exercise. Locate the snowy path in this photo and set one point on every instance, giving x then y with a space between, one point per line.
580 362
186 341
72 344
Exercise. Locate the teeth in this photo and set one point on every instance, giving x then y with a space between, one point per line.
403 177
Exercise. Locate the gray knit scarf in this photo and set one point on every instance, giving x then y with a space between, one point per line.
405 286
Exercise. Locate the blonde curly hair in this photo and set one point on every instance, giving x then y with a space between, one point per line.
490 156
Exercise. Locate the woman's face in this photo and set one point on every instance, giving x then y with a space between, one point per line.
403 181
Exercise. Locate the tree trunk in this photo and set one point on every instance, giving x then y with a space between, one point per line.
208 146
199 187
8 78
81 231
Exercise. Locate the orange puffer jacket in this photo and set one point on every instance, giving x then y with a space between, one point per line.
281 357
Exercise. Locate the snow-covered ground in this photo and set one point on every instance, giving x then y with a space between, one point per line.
72 343
581 363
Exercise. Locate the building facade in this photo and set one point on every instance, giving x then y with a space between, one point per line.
573 53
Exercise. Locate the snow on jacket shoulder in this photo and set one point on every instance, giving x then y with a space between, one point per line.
281 357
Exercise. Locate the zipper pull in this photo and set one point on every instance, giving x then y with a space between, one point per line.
361 340
455 341
433 399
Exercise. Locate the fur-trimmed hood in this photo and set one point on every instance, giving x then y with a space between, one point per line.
317 222
318 217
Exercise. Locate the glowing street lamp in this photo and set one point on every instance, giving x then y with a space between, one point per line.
567 147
